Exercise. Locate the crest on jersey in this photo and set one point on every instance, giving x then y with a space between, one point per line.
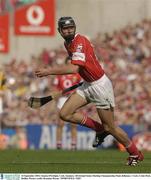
79 48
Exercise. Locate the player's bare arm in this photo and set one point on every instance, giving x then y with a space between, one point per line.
56 70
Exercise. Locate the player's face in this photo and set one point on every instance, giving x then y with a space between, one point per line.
68 31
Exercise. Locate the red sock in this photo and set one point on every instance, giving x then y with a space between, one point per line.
59 144
73 144
90 123
132 149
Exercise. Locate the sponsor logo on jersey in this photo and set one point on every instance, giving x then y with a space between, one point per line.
78 56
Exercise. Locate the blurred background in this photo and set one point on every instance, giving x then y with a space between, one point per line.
120 32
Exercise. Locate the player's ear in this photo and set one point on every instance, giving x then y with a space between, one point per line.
59 30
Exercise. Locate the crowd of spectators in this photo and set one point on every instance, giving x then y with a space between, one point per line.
126 58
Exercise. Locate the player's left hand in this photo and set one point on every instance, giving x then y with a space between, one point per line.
56 94
41 72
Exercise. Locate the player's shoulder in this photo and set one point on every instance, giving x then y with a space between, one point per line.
80 37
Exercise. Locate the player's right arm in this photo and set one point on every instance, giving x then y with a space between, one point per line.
57 70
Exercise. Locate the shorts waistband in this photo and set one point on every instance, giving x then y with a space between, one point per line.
97 81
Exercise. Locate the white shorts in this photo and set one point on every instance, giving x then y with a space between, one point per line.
99 92
61 101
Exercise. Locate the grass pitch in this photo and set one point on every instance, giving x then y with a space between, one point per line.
62 161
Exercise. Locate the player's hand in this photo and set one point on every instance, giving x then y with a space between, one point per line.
41 72
56 94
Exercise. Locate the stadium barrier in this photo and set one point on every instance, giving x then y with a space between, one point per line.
44 137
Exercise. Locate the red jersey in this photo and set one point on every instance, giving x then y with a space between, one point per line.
65 81
82 53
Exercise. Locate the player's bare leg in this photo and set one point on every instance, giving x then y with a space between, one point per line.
59 131
60 126
107 118
73 136
69 113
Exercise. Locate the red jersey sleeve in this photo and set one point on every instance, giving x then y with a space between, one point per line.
79 52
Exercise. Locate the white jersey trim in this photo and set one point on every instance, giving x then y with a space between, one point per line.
78 56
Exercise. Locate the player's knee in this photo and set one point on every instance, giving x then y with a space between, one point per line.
108 128
64 116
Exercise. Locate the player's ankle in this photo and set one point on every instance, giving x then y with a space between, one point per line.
132 149
59 145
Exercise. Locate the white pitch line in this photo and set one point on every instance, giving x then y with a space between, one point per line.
45 162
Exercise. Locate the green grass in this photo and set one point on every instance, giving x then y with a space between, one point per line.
59 161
